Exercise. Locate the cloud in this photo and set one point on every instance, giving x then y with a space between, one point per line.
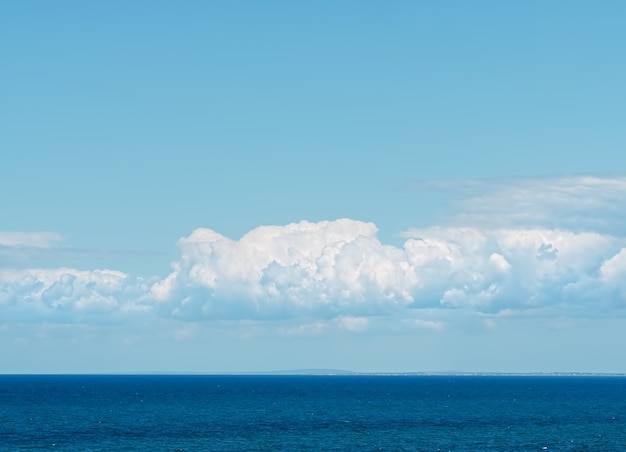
306 329
340 268
23 249
353 323
29 239
324 269
575 203
66 295
433 325
331 275
16 247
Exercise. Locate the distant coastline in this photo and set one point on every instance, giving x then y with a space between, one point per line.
333 372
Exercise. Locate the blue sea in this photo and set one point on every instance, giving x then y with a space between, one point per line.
343 412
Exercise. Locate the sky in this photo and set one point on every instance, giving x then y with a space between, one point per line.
266 186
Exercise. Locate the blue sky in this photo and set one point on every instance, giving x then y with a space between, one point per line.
371 186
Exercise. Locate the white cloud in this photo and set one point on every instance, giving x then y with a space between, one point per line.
353 323
576 203
26 249
433 325
20 247
327 268
29 239
305 329
65 294
317 272
340 268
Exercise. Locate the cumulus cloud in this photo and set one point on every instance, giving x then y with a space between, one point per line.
340 268
65 294
514 249
326 269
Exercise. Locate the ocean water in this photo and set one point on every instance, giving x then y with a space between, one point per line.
393 413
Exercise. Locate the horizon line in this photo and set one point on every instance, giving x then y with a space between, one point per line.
322 372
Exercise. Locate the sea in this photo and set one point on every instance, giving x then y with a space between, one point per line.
312 412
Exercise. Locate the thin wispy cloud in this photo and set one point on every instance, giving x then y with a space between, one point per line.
11 239
576 203
30 248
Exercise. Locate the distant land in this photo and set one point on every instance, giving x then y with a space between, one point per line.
342 372
435 373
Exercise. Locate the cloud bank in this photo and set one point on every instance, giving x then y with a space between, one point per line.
340 273
340 267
